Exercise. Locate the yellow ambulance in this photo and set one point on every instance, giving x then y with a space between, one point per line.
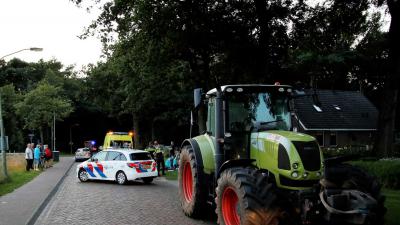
118 140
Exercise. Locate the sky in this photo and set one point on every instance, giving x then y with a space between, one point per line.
53 25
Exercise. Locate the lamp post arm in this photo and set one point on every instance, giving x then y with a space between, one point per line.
14 53
35 49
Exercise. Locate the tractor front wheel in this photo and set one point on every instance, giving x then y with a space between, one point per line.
191 181
243 197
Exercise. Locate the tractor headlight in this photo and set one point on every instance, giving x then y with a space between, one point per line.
305 175
295 165
318 174
295 174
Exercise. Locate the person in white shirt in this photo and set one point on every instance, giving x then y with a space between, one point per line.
28 157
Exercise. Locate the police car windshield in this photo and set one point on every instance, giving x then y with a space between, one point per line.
140 156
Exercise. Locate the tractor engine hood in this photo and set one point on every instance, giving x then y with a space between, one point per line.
294 158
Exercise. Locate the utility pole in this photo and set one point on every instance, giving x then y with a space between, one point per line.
2 147
54 131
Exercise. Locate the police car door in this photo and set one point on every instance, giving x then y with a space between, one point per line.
95 165
112 164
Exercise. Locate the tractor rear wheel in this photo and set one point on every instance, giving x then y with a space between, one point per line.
244 197
191 181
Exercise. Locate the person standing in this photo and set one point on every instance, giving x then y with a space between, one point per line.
159 158
172 155
47 156
36 157
28 157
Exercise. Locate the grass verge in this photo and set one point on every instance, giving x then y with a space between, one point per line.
16 180
392 204
171 175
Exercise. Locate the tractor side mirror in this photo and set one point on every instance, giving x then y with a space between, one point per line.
197 94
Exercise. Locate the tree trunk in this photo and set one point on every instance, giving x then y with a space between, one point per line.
386 124
153 135
41 135
136 130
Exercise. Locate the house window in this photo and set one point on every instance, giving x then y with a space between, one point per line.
332 139
320 138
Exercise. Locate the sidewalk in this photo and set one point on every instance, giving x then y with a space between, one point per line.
19 206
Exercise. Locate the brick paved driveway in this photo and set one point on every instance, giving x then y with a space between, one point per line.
112 204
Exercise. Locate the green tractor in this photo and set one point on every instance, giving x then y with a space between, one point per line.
253 169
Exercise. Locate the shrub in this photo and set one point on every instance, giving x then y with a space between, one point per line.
386 170
361 151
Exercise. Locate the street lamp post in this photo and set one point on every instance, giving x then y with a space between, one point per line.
2 147
2 135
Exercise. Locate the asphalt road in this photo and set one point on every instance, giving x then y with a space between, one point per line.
110 203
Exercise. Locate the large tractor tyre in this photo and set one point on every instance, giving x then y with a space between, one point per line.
347 176
244 197
192 184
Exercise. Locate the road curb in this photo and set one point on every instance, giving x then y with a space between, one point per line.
43 205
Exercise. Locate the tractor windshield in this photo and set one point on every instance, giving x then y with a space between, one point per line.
262 110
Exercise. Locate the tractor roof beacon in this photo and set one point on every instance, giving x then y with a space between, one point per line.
253 169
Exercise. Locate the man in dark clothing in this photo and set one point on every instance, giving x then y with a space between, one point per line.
159 158
172 155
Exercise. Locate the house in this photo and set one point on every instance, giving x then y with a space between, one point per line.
336 118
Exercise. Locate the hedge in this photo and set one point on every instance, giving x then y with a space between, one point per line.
386 170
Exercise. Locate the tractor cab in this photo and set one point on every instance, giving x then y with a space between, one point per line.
249 109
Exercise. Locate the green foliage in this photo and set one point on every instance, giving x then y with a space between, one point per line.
324 42
386 170
392 203
38 106
172 175
167 48
359 151
22 81
9 97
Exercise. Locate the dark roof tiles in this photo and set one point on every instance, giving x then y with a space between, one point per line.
341 110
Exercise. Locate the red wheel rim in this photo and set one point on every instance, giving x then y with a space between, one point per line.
187 182
229 207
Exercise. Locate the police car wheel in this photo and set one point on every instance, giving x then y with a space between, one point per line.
83 176
147 180
121 177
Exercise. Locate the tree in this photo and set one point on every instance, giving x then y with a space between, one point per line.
9 98
336 44
324 39
40 105
390 96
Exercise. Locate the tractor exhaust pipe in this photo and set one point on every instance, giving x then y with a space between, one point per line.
219 132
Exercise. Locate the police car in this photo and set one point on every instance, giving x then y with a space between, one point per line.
119 165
